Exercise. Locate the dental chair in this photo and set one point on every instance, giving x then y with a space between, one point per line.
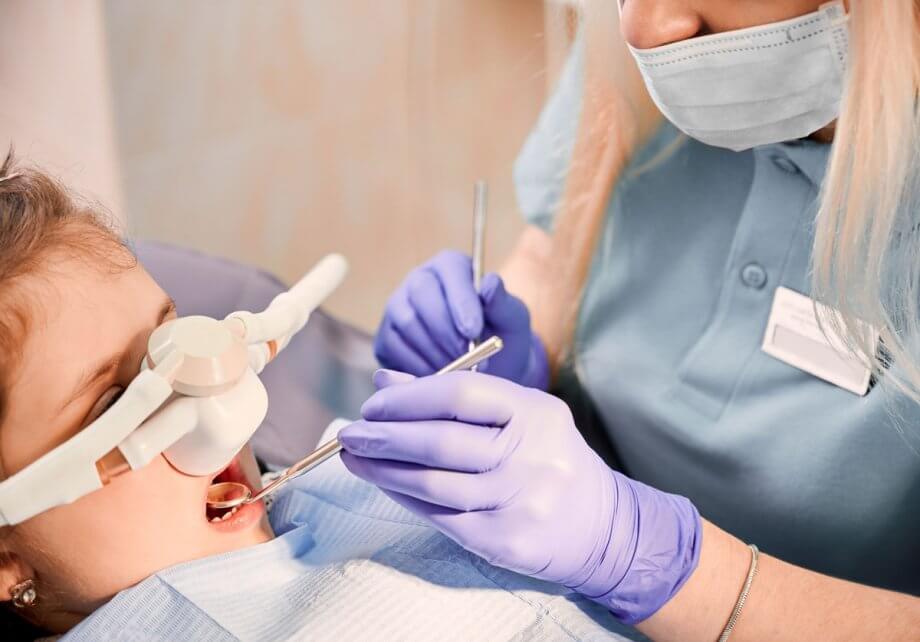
324 373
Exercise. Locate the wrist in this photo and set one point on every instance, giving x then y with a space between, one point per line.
652 549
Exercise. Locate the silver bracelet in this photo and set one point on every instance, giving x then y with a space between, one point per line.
742 598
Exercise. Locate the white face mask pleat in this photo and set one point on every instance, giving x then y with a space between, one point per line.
757 86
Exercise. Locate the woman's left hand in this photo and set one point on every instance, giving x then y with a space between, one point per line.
502 470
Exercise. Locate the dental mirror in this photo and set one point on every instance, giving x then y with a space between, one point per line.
231 494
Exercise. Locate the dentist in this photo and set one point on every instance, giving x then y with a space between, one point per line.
668 277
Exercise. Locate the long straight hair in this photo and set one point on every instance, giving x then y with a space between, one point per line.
616 116
866 259
866 256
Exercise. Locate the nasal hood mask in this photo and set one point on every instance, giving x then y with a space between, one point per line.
754 86
197 400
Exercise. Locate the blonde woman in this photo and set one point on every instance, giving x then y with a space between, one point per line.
671 272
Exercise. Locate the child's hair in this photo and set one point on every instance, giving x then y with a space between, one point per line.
41 221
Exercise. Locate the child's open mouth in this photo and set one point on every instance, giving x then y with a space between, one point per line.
238 516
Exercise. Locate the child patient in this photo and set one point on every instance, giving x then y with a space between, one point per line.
141 558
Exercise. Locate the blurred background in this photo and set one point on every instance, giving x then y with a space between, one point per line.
275 132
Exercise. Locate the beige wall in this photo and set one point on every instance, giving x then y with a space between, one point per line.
55 104
278 131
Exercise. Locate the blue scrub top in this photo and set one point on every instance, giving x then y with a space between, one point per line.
668 350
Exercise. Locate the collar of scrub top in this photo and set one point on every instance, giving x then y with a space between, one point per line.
197 400
808 156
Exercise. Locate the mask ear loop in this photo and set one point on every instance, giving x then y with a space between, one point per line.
10 177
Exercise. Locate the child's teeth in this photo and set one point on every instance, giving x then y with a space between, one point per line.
230 513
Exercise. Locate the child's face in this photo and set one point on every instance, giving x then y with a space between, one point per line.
89 323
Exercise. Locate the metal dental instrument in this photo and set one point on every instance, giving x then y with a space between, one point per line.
480 201
230 494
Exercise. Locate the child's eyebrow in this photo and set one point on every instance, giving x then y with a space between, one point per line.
111 364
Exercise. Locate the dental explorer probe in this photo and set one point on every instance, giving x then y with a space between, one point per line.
480 200
231 494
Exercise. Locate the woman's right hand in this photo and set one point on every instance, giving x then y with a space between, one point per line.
503 471
436 311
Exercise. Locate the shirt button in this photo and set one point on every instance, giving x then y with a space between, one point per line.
754 276
785 164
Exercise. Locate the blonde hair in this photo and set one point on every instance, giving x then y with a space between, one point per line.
866 259
616 116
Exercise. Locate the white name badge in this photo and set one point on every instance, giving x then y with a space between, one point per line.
793 336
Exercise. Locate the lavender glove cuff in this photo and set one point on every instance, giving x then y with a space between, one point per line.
653 547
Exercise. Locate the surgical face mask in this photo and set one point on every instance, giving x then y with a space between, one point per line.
197 400
754 86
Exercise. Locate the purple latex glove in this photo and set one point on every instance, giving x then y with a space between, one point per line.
502 470
433 315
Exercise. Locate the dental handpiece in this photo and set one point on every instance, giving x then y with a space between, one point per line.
480 200
230 494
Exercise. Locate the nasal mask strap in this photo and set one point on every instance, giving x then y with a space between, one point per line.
197 400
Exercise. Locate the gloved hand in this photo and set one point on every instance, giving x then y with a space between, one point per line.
433 315
502 470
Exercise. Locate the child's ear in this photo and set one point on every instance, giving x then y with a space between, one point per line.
13 571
